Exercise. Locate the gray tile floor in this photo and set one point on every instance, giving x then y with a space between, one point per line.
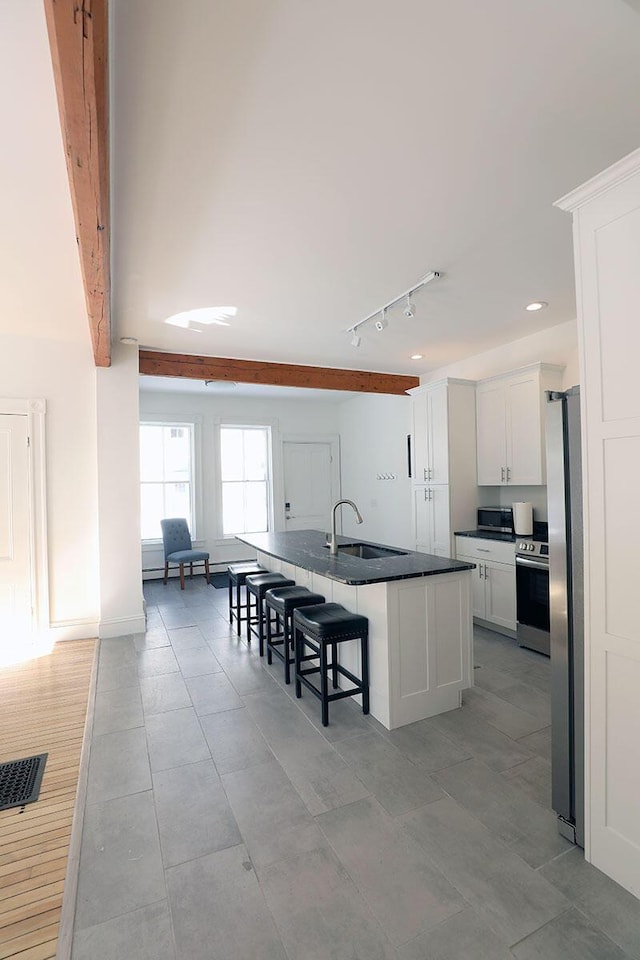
223 822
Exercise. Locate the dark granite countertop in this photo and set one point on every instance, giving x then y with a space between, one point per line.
306 549
487 535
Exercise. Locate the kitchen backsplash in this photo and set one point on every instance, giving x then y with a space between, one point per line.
505 496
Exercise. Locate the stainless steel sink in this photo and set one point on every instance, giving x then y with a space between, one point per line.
366 552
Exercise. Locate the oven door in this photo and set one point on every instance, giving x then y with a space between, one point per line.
532 592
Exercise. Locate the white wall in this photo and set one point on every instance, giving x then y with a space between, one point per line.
373 439
557 344
64 376
286 416
119 494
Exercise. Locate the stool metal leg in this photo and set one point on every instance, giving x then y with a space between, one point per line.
298 655
286 640
249 614
334 661
269 635
364 647
324 683
230 600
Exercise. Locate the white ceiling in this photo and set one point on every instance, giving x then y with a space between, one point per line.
306 162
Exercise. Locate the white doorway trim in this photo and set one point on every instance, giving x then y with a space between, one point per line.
34 410
333 439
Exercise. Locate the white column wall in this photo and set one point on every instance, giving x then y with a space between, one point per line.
118 444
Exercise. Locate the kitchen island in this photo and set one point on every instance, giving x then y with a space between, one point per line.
419 611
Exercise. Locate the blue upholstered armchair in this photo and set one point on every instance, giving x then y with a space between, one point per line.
177 548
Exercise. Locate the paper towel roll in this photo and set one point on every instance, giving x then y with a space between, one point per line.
523 519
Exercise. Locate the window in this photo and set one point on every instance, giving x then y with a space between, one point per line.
166 475
244 468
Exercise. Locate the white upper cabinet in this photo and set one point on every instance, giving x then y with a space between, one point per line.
431 437
510 426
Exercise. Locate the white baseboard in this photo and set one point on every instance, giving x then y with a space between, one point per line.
72 630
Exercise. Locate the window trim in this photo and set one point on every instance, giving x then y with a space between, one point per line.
194 423
271 426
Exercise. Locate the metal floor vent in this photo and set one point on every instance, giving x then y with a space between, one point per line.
20 781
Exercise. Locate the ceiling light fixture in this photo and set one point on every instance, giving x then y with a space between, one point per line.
382 323
409 310
202 315
536 305
220 383
416 356
128 340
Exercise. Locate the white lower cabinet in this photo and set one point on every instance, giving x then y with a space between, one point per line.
432 519
493 581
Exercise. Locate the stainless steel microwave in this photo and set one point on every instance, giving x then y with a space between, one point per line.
498 519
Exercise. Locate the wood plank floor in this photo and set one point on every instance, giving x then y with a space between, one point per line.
43 705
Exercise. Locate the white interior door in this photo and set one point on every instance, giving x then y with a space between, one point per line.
308 485
15 539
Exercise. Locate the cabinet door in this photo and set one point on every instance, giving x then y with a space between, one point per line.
420 430
432 523
524 430
440 521
500 594
438 435
492 435
422 523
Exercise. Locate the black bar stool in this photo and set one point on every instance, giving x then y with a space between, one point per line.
257 585
325 626
238 573
283 601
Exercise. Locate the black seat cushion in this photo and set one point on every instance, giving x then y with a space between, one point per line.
259 583
329 620
286 599
245 569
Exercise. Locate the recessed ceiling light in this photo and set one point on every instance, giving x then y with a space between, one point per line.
128 339
203 315
220 383
416 356
537 305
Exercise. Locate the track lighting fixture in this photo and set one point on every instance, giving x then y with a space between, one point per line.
382 322
409 310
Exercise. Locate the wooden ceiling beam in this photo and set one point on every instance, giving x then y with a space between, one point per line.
158 364
78 37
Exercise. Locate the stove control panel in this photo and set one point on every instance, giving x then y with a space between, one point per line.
532 547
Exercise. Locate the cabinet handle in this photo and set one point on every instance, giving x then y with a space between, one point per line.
425 494
501 474
508 474
425 473
486 575
479 571
430 494
429 471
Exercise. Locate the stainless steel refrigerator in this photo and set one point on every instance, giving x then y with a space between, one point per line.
564 496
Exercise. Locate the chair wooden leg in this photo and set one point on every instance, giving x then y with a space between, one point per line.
182 576
206 571
166 573
191 570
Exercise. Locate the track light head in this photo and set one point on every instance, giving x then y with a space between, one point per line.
409 310
382 323
356 340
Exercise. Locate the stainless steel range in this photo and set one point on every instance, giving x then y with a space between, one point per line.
532 592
